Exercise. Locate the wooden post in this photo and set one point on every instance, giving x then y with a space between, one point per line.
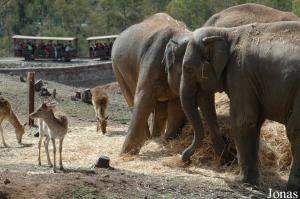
31 81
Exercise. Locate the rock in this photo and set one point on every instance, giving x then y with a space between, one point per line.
6 181
103 162
73 98
22 79
86 96
37 134
78 94
38 85
44 92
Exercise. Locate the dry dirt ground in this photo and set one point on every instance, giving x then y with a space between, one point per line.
154 173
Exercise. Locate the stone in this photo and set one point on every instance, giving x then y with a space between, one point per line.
6 181
73 98
44 92
22 79
103 162
78 94
38 85
86 96
37 134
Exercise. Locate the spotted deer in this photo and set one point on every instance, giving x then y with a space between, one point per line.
54 125
6 113
100 102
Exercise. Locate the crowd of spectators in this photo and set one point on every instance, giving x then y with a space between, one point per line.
32 50
101 50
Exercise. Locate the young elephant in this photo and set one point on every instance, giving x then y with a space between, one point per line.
100 101
258 66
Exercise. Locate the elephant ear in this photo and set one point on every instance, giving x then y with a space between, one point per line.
169 55
216 53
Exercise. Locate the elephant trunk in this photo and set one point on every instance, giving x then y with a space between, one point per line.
188 96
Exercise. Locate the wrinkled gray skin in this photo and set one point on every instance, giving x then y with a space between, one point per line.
258 66
140 68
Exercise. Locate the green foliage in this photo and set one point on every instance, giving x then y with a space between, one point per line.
84 18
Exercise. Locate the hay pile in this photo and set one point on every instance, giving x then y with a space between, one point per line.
274 152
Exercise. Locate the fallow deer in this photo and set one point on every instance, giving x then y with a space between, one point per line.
100 102
53 124
6 113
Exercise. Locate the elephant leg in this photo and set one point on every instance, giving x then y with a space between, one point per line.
293 133
246 126
128 93
143 106
176 119
159 119
206 101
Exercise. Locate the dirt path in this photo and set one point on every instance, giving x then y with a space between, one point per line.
154 173
145 175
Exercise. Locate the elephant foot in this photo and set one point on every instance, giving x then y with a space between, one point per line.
250 179
130 150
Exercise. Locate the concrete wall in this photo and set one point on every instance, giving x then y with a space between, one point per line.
85 76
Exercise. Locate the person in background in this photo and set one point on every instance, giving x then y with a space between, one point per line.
55 51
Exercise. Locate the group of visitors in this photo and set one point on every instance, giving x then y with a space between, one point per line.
31 50
101 50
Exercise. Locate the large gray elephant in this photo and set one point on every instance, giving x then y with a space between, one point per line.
137 56
147 59
258 66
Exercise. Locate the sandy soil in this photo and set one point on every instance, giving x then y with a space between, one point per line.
154 173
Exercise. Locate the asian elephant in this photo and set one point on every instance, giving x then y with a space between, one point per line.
139 65
147 59
258 66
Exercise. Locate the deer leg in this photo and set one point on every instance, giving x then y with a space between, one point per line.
46 143
60 156
41 136
54 155
2 136
39 148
